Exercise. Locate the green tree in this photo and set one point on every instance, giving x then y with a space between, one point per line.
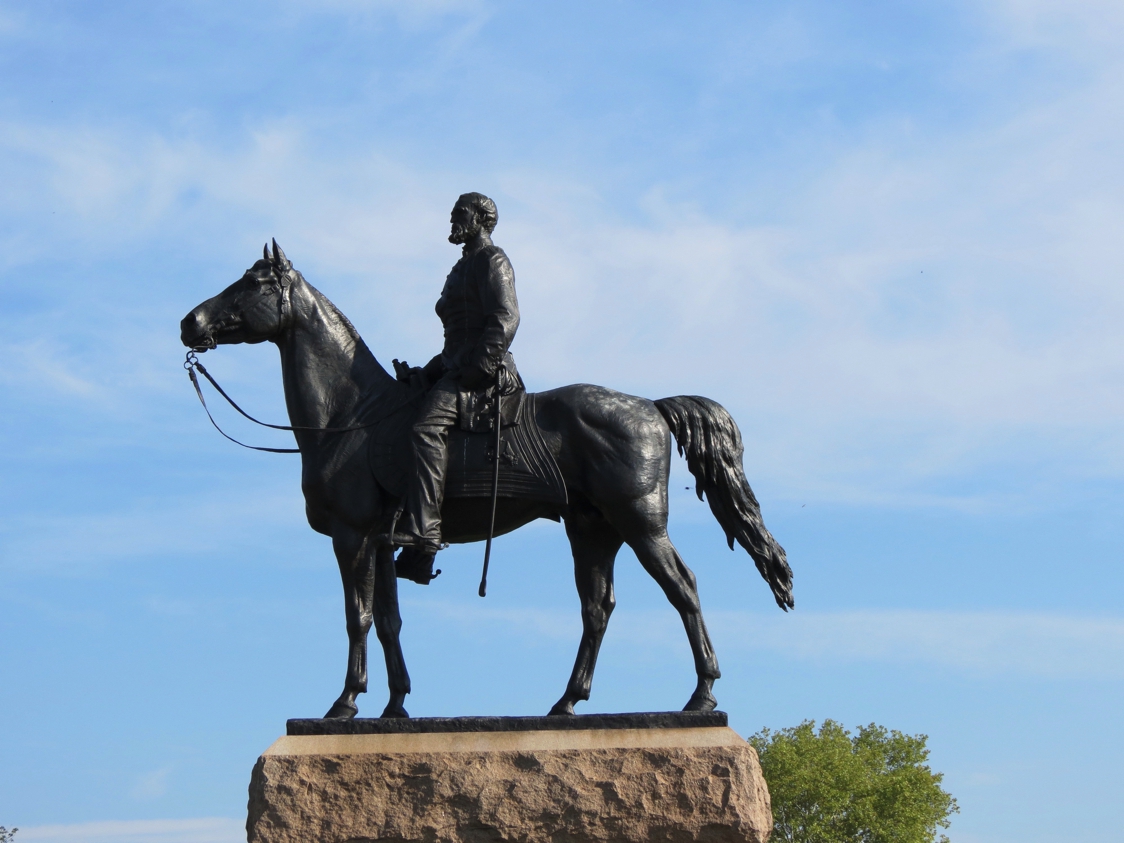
835 787
7 836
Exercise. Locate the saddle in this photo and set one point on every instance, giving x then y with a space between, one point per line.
527 468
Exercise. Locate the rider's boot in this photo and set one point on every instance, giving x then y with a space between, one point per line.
416 564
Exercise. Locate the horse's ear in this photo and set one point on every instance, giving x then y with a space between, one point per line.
265 251
279 256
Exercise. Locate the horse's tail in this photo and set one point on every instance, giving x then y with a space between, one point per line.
710 440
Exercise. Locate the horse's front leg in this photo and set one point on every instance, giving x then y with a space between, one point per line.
355 555
388 625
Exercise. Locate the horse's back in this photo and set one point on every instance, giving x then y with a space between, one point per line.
606 442
592 403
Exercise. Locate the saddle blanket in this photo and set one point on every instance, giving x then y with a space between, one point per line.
527 468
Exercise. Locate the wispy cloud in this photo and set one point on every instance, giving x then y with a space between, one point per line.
10 24
1076 26
77 545
843 341
922 302
152 784
214 830
542 623
46 365
408 13
993 643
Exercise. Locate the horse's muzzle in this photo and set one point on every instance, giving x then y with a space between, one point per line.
194 334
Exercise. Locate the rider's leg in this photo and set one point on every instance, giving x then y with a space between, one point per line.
430 441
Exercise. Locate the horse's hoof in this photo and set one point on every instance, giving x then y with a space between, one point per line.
704 701
394 711
562 708
342 711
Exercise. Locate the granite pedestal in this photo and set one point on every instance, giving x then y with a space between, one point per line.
645 777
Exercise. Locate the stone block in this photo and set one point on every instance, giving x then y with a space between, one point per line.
556 786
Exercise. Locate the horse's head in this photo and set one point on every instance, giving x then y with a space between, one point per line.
253 309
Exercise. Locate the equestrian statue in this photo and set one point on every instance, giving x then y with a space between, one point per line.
396 467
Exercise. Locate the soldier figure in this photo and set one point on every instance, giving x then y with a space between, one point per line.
480 314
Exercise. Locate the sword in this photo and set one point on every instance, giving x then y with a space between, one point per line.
495 489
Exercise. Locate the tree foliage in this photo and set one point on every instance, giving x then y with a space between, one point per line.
7 836
835 787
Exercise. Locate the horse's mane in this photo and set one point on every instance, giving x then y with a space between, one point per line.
331 307
384 380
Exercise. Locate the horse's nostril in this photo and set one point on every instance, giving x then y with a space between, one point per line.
191 328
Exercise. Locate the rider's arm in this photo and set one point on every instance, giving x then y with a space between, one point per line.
501 319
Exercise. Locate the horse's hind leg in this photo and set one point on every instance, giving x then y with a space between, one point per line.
595 543
660 559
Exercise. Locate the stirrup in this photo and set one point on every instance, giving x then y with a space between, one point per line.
416 564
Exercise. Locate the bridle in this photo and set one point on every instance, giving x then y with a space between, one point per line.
284 279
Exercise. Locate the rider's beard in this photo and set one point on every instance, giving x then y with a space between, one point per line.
462 234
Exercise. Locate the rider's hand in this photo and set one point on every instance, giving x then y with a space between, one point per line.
402 370
508 384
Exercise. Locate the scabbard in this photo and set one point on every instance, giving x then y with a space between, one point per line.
495 489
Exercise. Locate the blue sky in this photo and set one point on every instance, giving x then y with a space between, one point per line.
884 235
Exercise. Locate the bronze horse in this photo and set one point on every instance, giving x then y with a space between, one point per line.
613 450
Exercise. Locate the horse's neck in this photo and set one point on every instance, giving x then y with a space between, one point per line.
330 375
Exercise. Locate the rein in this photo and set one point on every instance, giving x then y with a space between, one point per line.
191 364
